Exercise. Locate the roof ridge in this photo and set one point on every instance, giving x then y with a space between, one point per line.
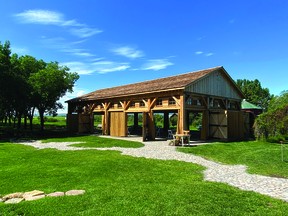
162 84
136 83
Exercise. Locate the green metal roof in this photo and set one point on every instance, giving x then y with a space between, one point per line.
246 105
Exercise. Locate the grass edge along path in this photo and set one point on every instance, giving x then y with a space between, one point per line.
93 141
260 157
120 185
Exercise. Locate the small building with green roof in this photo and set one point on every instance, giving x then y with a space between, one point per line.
252 112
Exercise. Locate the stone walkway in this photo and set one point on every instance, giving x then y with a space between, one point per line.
234 175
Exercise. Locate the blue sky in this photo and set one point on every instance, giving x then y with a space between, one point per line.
116 42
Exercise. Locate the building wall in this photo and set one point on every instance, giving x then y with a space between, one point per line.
216 84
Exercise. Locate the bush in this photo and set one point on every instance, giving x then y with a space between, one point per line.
273 124
276 139
47 119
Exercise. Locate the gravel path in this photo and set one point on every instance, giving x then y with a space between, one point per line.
234 175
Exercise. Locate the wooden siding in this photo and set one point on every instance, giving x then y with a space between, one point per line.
218 125
215 84
118 124
235 125
72 122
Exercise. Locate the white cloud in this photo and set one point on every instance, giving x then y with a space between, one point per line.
62 45
96 67
82 53
44 17
85 32
198 52
47 17
128 52
109 66
156 64
203 53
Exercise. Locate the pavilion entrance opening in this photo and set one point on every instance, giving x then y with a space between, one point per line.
195 121
135 124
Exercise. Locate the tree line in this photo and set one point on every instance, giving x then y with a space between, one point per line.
27 84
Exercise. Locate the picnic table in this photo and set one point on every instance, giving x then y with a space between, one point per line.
183 138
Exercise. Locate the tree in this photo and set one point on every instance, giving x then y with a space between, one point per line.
6 81
28 66
254 92
48 85
274 122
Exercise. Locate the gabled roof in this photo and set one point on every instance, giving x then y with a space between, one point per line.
247 105
157 85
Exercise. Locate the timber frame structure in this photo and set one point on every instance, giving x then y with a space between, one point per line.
211 92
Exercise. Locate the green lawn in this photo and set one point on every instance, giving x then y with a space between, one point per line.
260 157
95 141
120 185
57 121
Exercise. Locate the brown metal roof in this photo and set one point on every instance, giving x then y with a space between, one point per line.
157 85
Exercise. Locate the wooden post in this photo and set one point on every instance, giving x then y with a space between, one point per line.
103 123
182 123
135 120
144 126
205 125
151 126
148 126
124 125
70 108
166 123
91 122
106 125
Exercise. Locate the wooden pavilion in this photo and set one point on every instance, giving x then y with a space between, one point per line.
211 92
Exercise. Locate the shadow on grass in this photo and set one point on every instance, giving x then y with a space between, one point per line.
8 133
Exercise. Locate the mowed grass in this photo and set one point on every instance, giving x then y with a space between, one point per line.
260 157
119 185
96 141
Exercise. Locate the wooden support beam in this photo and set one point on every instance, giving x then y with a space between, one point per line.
182 123
151 103
178 102
106 105
126 104
105 127
205 101
145 102
122 104
136 119
188 96
166 123
93 107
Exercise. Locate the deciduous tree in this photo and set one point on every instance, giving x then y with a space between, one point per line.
254 92
49 85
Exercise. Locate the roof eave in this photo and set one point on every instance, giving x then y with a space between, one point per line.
76 100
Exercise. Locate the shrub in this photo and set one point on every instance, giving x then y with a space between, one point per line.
273 124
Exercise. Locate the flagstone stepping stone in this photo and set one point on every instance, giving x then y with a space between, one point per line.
13 195
56 194
18 197
74 192
14 200
31 198
28 195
